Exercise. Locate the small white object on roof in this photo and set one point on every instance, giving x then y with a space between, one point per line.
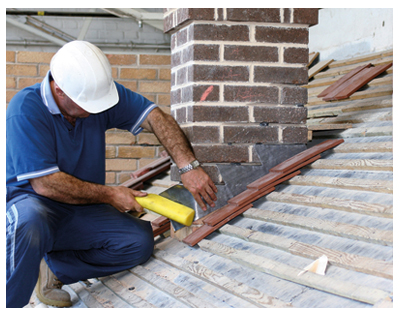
318 266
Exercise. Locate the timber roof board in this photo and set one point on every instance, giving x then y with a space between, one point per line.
340 205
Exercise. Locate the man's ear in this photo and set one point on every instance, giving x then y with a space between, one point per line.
59 92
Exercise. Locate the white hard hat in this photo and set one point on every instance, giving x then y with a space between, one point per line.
83 73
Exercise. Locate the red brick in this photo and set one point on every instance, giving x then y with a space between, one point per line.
213 32
251 134
292 95
200 90
251 53
181 76
272 34
201 52
254 15
218 114
295 55
280 114
221 153
176 59
181 37
217 73
185 14
194 93
286 75
286 15
264 94
179 114
169 24
295 134
305 16
202 134
176 97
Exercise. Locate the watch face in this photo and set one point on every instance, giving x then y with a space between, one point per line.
195 164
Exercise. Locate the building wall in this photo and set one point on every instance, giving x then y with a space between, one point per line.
121 35
149 75
340 33
237 77
346 33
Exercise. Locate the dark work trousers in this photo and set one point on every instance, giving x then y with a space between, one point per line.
77 242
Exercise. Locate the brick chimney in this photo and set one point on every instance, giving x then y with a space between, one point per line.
236 77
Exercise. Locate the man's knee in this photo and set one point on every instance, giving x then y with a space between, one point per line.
28 236
33 227
141 242
147 243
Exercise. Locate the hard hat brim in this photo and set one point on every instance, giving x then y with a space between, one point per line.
100 105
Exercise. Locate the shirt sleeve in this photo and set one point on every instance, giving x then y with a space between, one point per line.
130 111
30 147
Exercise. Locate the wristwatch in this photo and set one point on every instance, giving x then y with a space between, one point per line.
193 165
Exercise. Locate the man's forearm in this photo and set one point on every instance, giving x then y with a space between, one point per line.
179 148
171 137
65 188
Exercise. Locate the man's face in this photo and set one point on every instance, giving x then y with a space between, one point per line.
67 107
70 108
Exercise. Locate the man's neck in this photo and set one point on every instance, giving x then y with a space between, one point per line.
70 119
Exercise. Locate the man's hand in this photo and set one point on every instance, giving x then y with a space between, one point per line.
123 199
200 185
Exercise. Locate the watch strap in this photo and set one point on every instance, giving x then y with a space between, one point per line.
193 165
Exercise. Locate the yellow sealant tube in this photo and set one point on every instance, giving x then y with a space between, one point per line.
172 210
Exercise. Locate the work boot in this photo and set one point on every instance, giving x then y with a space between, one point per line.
48 288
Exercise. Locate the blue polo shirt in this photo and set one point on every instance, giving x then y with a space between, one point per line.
40 141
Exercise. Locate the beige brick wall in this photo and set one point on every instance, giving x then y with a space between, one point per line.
146 74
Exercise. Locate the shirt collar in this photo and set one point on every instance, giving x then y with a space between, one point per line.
47 96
